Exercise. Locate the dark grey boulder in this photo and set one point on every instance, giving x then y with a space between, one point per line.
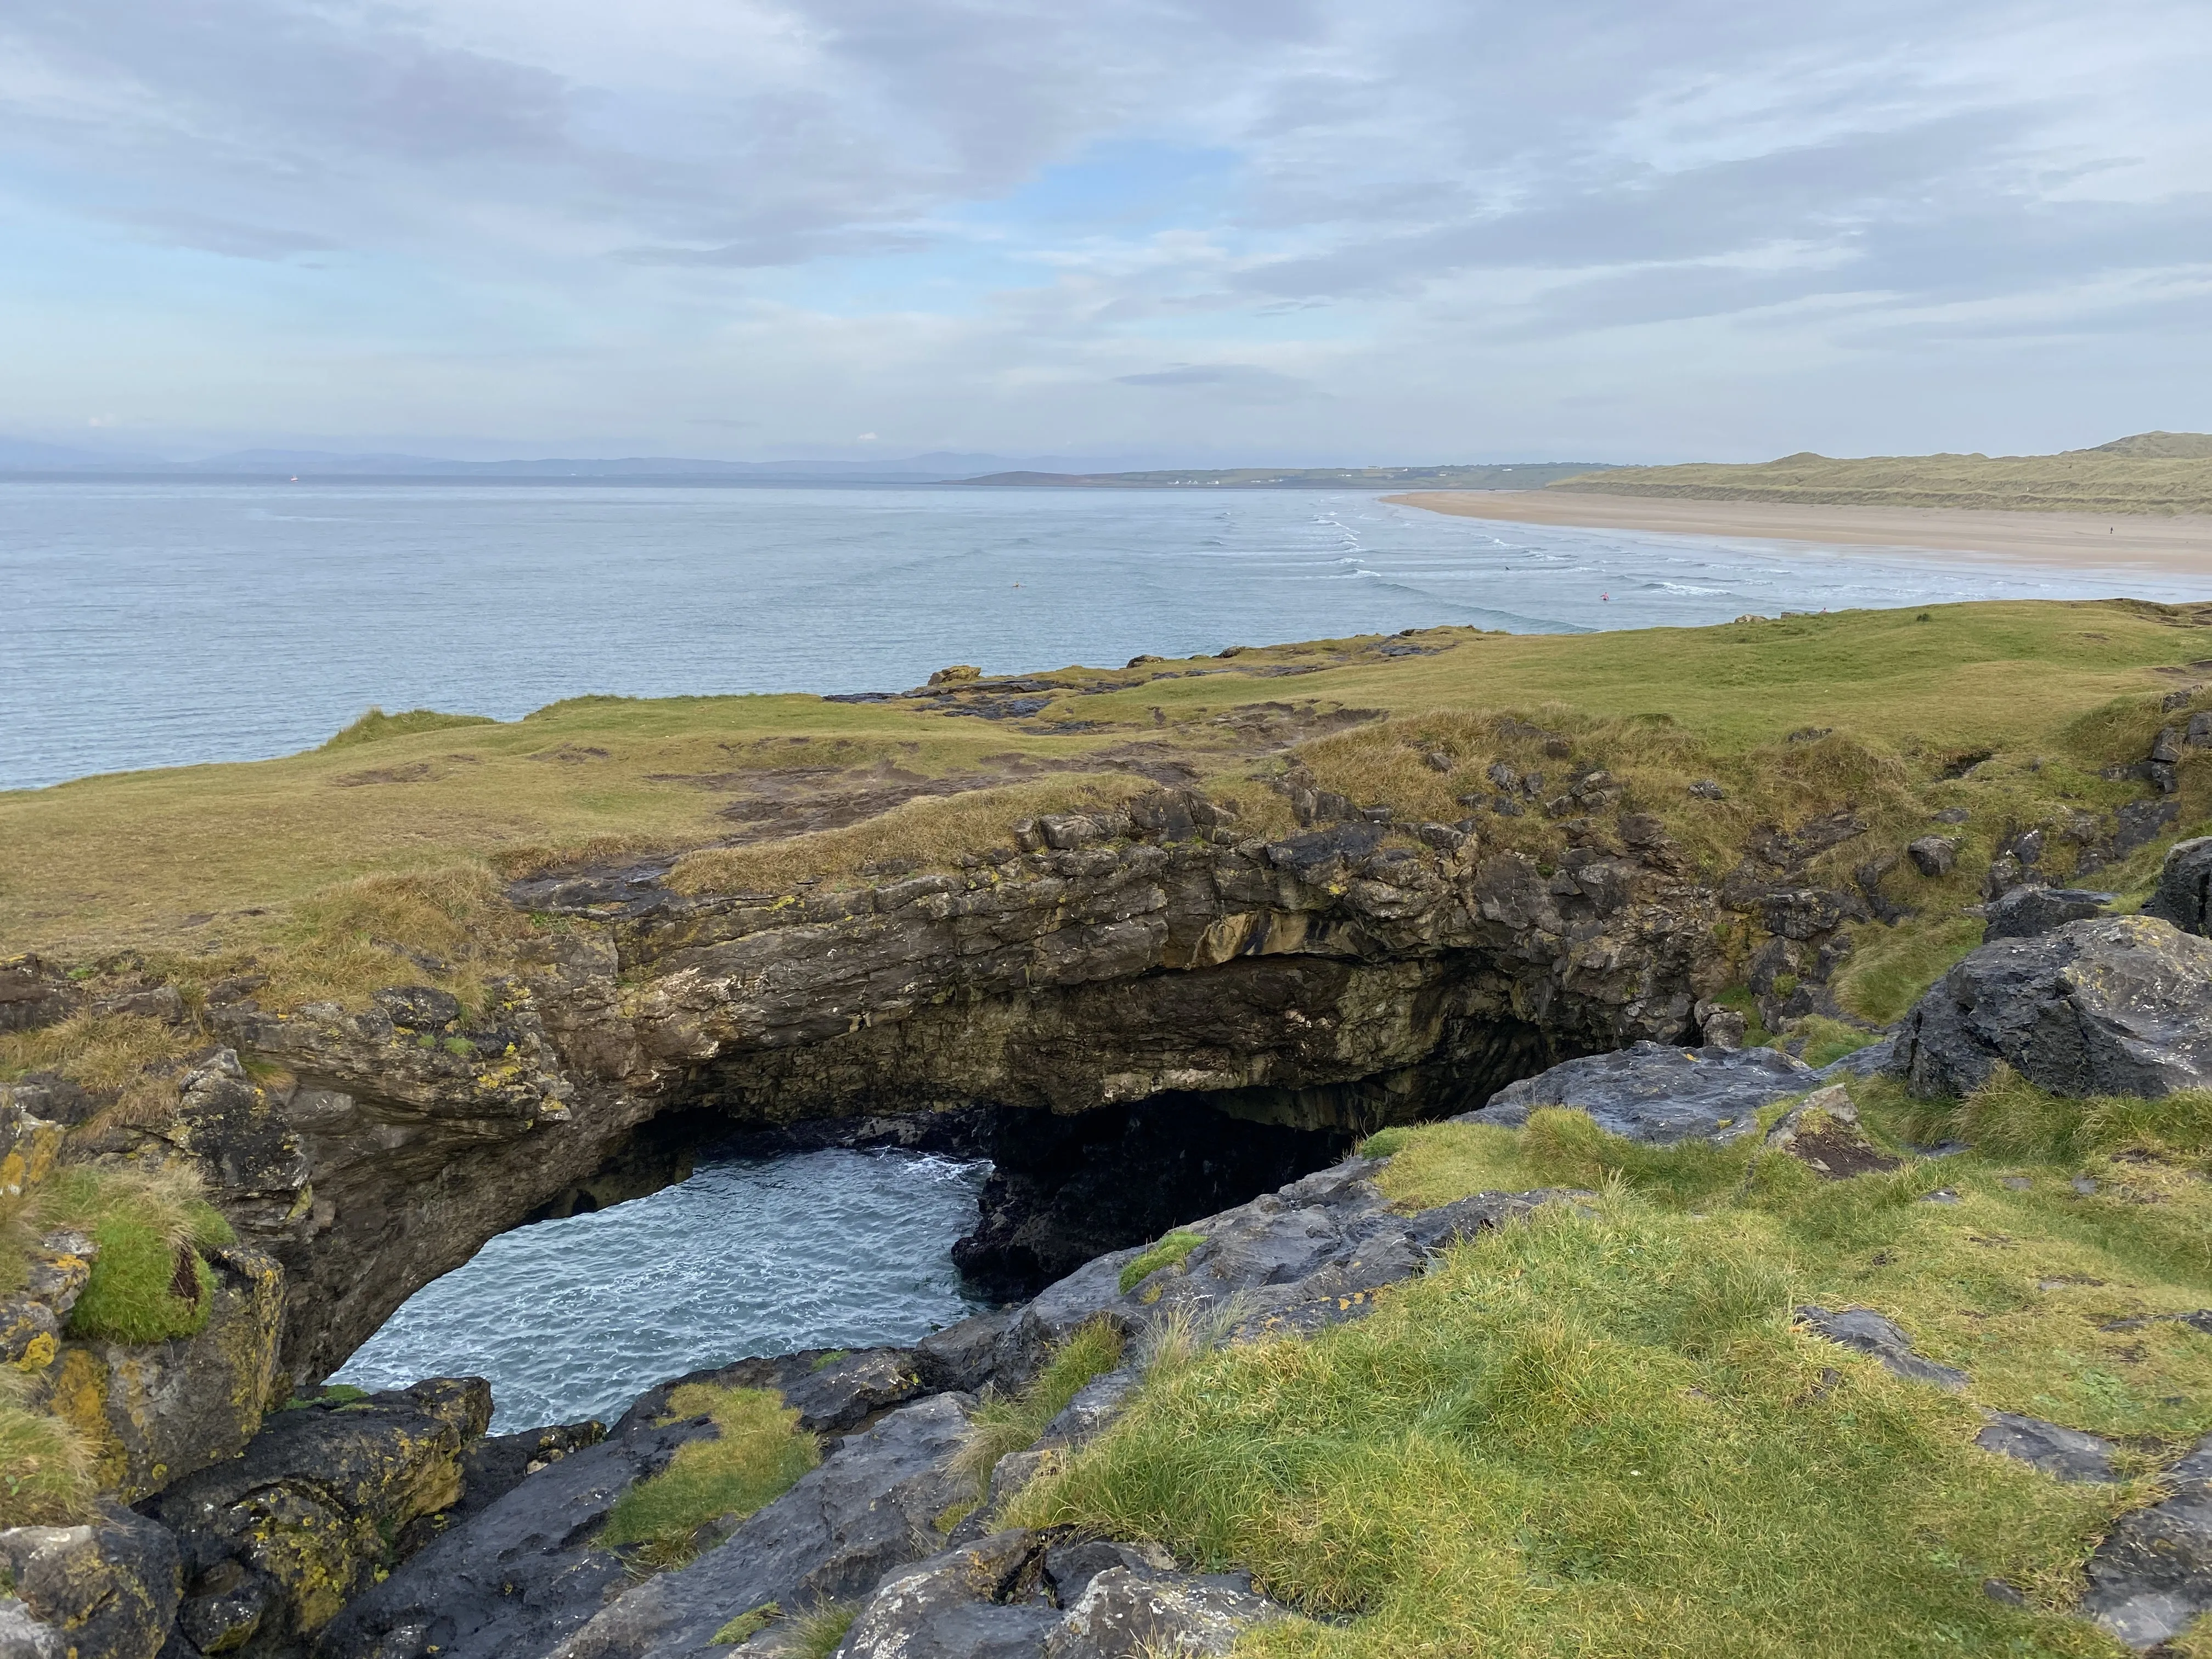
2153 1574
2061 1453
1124 1614
1934 856
1867 1332
2027 911
2118 1007
2183 894
1658 1093
988 1600
873 1505
1860 1062
104 1591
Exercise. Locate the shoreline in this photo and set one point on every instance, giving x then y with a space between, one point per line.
2074 541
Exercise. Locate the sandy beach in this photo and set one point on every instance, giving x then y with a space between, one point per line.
2174 546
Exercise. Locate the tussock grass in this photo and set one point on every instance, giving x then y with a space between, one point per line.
1005 1424
815 1633
148 1282
45 1472
757 1453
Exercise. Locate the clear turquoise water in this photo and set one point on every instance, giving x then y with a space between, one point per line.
575 1318
155 624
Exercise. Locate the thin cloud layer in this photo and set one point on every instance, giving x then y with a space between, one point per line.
1242 230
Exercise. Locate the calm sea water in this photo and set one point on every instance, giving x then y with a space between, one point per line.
575 1318
156 624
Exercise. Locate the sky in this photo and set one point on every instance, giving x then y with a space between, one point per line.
1266 232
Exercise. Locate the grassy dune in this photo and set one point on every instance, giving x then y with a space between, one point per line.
2163 472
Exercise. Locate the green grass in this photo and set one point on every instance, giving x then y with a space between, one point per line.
1008 1423
1597 1433
815 1633
45 1473
376 725
1170 1252
757 1453
747 1623
150 1231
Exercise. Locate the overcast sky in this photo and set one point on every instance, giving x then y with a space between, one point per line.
1293 231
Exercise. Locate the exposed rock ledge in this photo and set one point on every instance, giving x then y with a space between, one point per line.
1325 980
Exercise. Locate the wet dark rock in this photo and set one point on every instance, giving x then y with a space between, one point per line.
2121 1005
33 994
1659 1093
495 1466
106 1590
2061 1453
2183 894
1868 1333
873 1504
2153 1574
2027 911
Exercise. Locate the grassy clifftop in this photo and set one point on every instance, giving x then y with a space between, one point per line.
338 869
2166 472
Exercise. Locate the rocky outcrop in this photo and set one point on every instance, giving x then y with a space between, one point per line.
2183 894
2027 911
1326 984
105 1590
2122 1006
1870 1333
150 1413
277 1539
1658 1092
1022 1594
1823 1133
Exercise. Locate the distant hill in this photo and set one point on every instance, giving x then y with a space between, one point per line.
1508 476
2151 472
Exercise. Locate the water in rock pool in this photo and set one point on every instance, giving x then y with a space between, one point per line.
574 1318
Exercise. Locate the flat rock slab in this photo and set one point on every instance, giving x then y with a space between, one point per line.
1868 1332
2061 1453
2025 912
1658 1093
2153 1574
2118 1007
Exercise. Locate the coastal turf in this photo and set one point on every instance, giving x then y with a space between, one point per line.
1601 1432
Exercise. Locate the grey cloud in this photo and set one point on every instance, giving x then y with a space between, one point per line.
1241 382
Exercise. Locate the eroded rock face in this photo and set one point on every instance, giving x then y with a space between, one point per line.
2121 1006
106 1590
1326 984
2183 895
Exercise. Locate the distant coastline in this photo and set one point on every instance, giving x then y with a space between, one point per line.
1523 475
2178 545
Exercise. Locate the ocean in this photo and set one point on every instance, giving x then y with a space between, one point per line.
173 623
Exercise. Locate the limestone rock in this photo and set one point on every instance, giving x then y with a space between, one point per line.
1934 856
872 1506
1868 1332
2027 911
2121 1005
276 1540
2152 1577
1823 1133
1127 1614
2183 894
104 1591
1659 1093
2061 1453
986 1601
517 1578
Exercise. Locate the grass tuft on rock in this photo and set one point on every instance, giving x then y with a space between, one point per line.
1005 1424
815 1633
1170 1252
757 1453
148 1282
45 1472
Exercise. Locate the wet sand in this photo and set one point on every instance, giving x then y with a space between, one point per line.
2074 541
